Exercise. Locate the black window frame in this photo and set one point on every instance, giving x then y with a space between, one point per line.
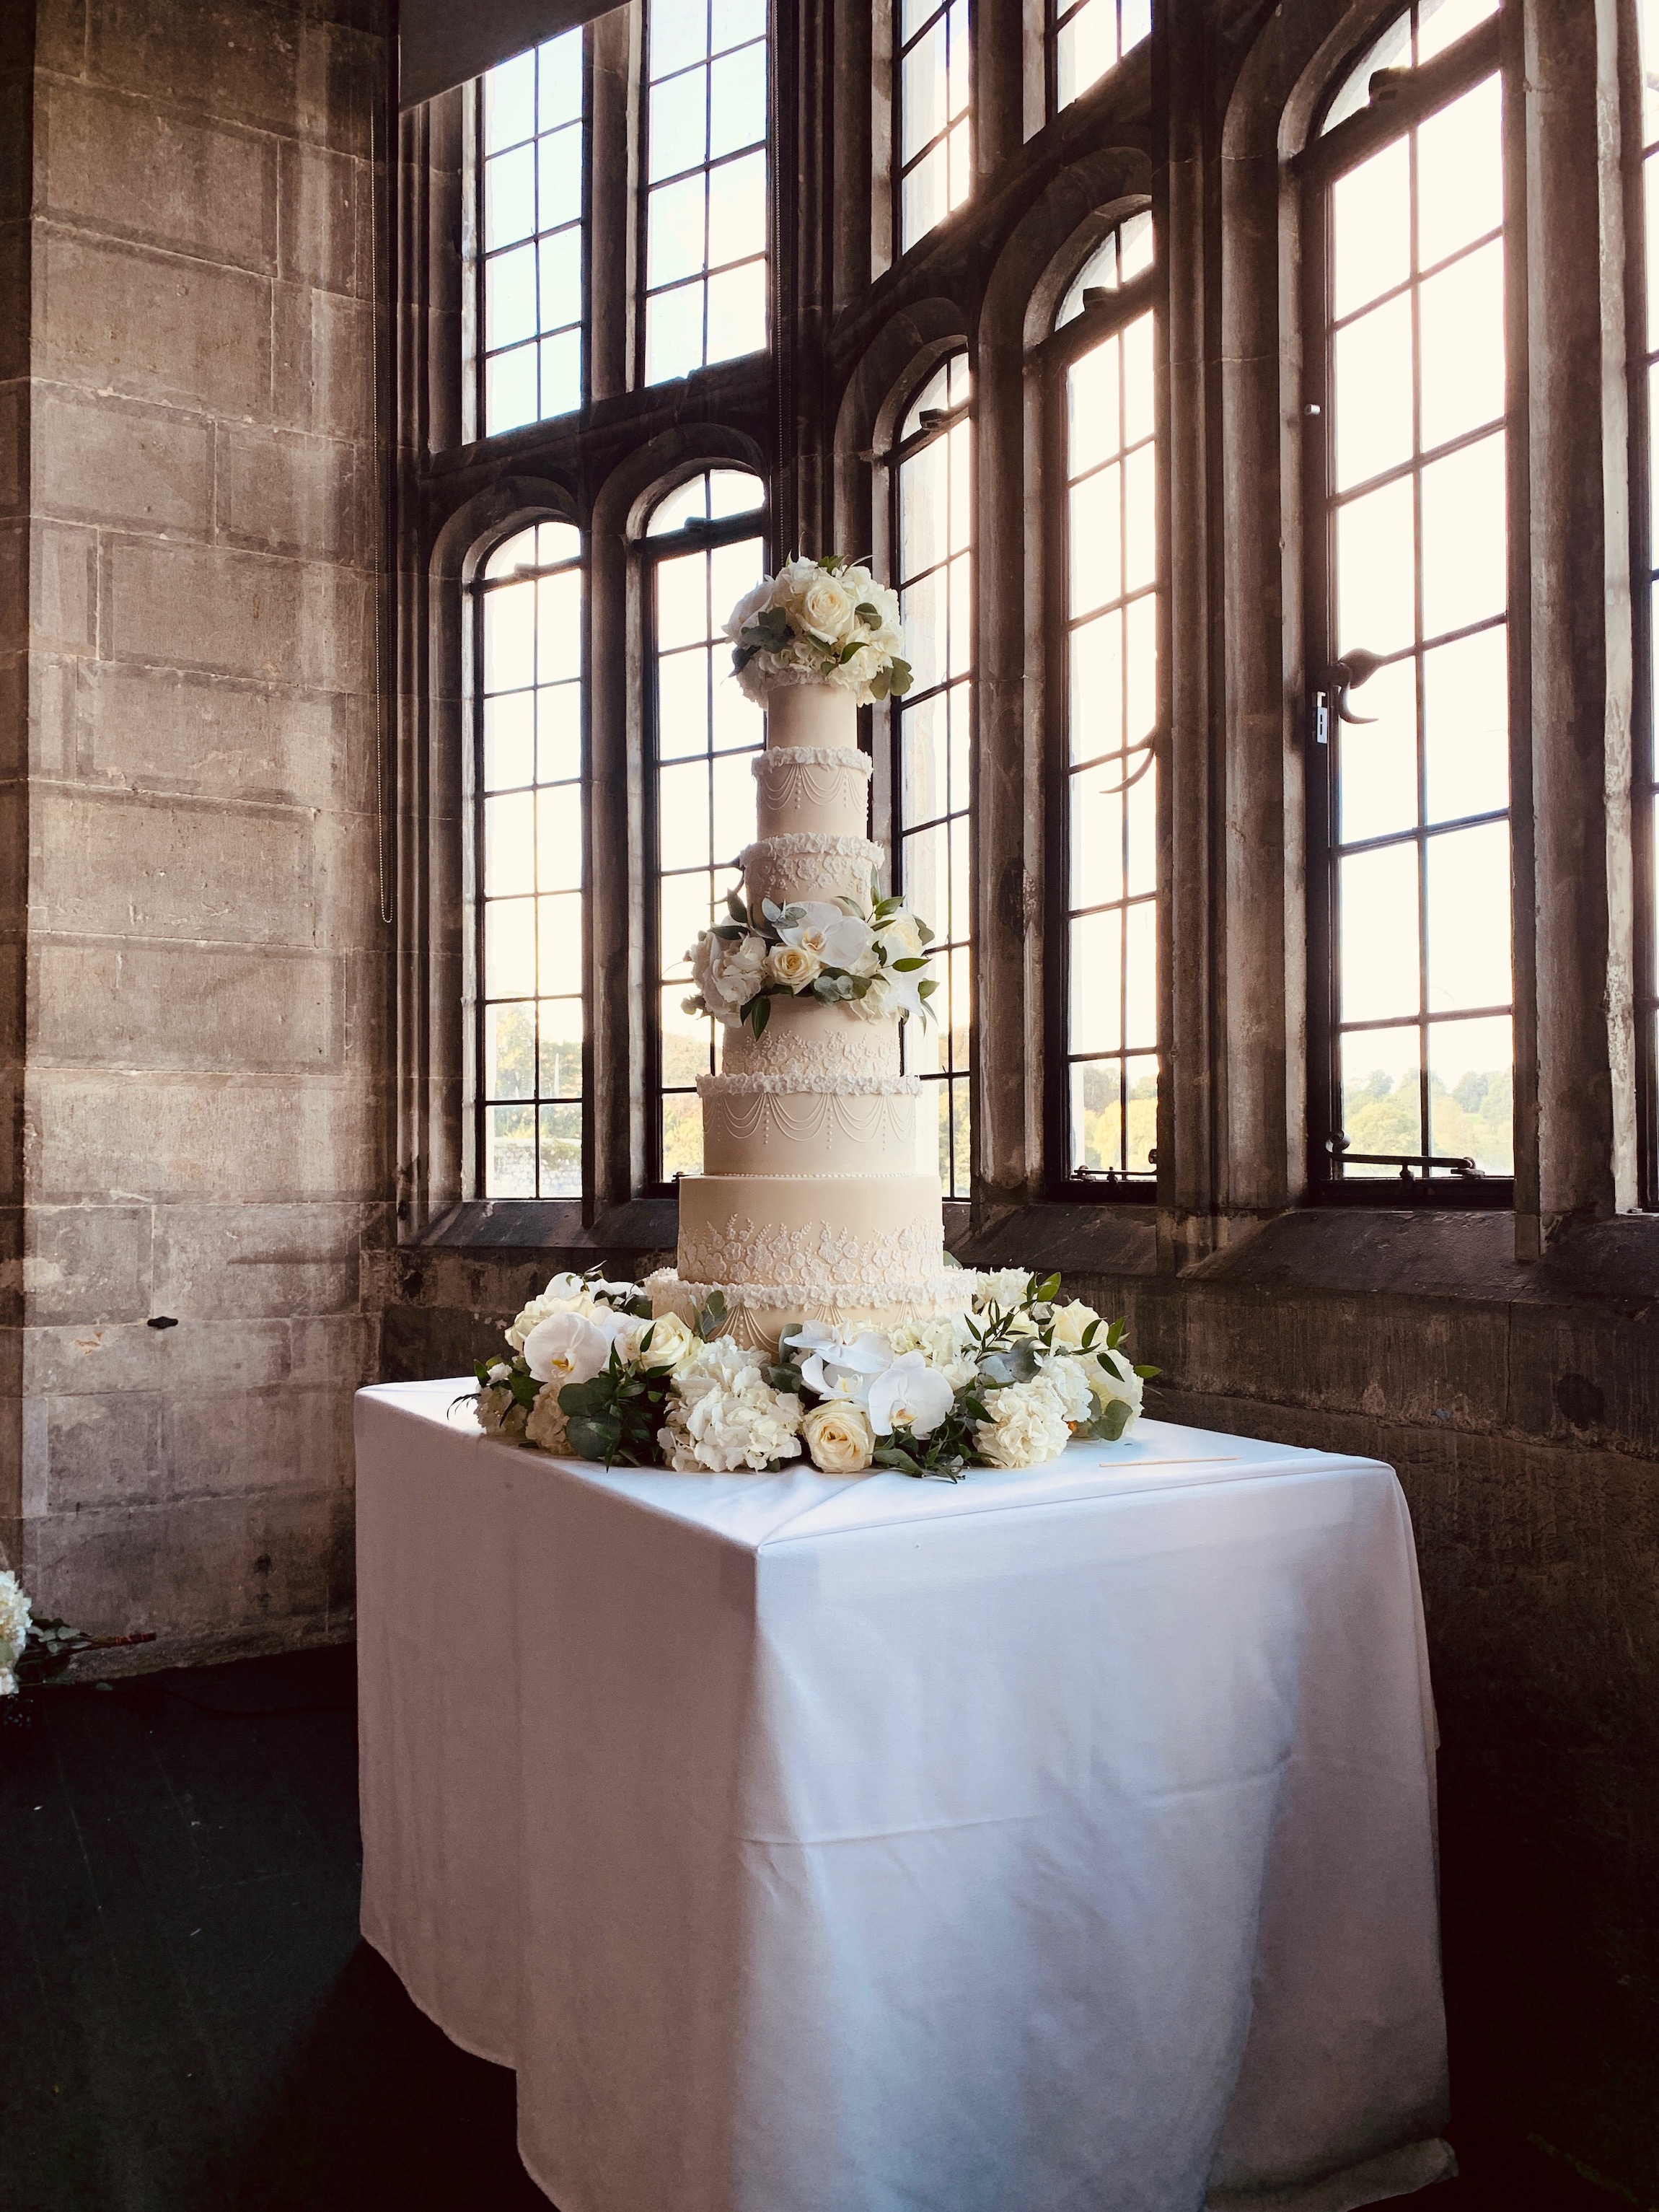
1410 98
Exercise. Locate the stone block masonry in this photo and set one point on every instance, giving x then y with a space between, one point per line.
192 967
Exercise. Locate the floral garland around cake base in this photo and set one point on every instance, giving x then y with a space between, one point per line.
594 1374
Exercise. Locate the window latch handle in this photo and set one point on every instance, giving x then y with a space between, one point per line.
1346 674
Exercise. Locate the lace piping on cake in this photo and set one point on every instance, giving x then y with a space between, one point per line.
766 1252
847 1086
844 1050
951 1290
788 756
815 844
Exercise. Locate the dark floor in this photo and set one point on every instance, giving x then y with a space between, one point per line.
191 2023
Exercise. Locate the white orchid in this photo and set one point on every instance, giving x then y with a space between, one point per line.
572 1348
909 1395
836 938
838 1366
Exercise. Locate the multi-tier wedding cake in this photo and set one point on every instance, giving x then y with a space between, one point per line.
814 1203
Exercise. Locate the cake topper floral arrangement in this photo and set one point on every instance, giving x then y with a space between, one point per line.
819 622
869 955
592 1374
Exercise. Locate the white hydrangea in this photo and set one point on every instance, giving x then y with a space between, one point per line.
722 1414
943 1342
15 1619
499 1415
1028 1426
1072 1386
544 1426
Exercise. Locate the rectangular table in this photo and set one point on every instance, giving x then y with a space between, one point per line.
1060 1841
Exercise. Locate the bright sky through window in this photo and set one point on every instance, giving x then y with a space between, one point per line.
932 729
706 201
1090 37
531 223
1416 517
531 826
935 126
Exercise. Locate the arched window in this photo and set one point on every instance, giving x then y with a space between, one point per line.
704 134
532 121
933 130
1106 627
1405 410
705 546
931 472
530 829
1087 38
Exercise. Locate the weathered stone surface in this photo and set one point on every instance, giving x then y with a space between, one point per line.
235 1354
288 492
87 1263
254 62
325 220
258 1441
154 729
184 1006
174 868
217 1262
103 1451
64 587
131 169
148 467
203 1567
241 614
96 1135
122 318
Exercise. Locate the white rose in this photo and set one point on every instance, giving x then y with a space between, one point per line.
839 1438
545 1426
902 939
879 1004
729 971
1111 1378
571 1348
793 966
1028 1426
1071 1323
564 1294
671 1342
909 1395
827 609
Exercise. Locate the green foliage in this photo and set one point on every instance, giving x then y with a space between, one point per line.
52 1645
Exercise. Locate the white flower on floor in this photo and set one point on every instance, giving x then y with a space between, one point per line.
545 1427
572 1348
839 1437
1028 1426
909 1395
499 1415
723 1414
14 1618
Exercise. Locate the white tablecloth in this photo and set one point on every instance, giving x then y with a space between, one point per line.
1058 1842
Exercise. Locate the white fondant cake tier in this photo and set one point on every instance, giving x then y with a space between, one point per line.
757 1314
808 863
821 714
803 1036
812 788
808 1132
817 1229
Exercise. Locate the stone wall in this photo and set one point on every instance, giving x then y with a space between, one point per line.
195 542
